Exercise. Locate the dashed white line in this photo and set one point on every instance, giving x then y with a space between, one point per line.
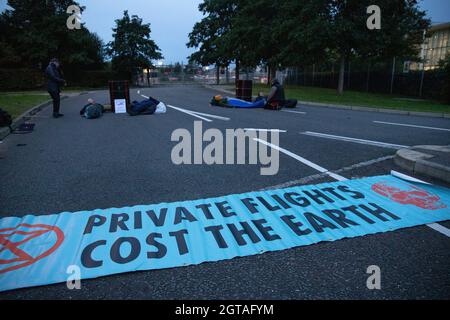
291 111
355 140
302 160
411 125
265 130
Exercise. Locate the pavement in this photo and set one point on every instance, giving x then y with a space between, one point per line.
431 161
73 164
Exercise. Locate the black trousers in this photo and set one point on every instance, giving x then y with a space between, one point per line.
56 100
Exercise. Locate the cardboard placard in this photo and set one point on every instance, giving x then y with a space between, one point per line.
120 106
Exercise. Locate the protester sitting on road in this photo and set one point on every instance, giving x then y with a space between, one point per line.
55 81
92 110
276 97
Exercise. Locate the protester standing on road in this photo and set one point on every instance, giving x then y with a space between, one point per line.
55 81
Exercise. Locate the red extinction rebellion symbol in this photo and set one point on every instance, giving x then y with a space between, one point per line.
40 239
409 194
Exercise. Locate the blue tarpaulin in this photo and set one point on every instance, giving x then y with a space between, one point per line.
38 250
238 103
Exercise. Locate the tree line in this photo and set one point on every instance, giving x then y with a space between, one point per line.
287 33
34 31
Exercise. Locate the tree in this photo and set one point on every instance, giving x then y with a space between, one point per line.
300 32
252 37
92 53
178 68
132 47
281 33
208 35
402 26
305 37
34 31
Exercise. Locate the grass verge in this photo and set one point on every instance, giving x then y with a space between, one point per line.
355 98
17 103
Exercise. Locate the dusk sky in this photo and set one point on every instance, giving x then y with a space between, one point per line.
172 20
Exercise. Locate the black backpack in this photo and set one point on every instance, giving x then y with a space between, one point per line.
290 103
5 119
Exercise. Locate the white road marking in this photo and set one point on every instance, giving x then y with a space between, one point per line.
291 111
435 226
37 117
196 114
302 160
412 125
209 115
189 113
406 177
355 140
440 228
265 130
308 179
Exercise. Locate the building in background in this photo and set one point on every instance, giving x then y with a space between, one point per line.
435 48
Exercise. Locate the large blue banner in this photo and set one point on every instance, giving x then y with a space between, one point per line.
38 250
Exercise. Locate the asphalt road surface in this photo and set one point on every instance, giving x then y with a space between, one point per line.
73 164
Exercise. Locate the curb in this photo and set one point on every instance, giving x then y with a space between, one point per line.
420 162
4 132
356 108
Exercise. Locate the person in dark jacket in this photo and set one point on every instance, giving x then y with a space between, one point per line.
276 98
276 93
55 81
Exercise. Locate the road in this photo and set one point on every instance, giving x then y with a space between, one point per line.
73 164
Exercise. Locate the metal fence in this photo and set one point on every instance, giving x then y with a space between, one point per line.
387 77
390 77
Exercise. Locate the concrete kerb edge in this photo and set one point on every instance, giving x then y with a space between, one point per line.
421 165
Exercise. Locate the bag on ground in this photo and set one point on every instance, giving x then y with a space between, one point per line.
5 118
273 106
290 103
161 108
